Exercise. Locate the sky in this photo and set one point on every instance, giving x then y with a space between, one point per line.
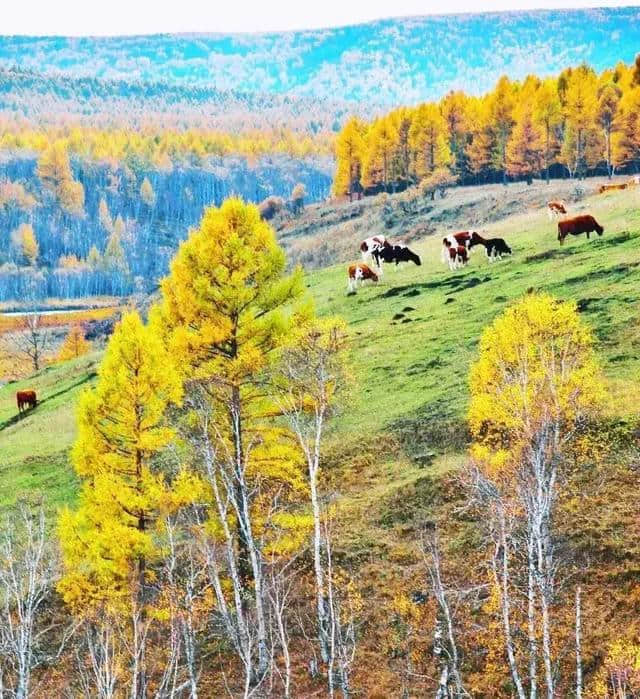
116 17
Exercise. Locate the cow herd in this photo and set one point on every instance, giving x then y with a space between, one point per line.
456 247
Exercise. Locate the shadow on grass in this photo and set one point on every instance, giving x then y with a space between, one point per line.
455 284
15 419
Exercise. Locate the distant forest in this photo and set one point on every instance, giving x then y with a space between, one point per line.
577 124
73 227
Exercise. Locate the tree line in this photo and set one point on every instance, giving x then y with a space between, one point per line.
576 124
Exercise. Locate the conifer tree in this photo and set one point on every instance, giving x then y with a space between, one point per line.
108 541
225 312
74 345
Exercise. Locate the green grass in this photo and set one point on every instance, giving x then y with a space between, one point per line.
411 377
34 447
417 364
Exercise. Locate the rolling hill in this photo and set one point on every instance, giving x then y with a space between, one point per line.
413 338
384 62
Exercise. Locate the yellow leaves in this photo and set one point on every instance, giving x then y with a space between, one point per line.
24 239
74 344
147 194
121 425
620 674
288 532
536 364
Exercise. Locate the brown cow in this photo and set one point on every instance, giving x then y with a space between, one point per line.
359 273
577 225
26 400
556 208
611 187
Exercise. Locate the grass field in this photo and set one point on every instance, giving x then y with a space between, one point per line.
413 336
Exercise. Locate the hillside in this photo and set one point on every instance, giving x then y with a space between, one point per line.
385 62
414 334
396 449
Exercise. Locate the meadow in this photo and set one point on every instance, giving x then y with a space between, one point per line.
413 337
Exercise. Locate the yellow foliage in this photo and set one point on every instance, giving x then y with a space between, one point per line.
536 366
74 344
121 425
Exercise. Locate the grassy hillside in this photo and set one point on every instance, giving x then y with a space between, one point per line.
414 336
35 448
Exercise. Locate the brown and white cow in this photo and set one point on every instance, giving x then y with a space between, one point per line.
578 225
370 244
457 255
465 239
359 272
556 208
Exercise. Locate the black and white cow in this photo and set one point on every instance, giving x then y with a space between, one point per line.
496 248
395 253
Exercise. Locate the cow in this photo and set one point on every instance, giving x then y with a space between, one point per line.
634 181
466 239
578 225
359 273
26 399
496 248
556 208
457 255
611 187
370 244
395 253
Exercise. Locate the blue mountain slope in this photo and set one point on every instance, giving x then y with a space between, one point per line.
384 62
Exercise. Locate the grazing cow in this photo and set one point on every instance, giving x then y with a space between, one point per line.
370 244
496 248
556 208
578 225
395 253
457 255
359 273
611 187
634 181
26 400
466 239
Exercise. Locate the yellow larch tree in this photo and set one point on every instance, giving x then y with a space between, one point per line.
24 239
226 311
428 141
580 148
378 160
349 153
109 540
75 344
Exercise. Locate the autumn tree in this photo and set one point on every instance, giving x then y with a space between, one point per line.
535 383
349 154
109 541
608 101
548 113
105 216
454 107
378 159
313 373
525 147
500 105
581 104
226 313
147 194
74 345
25 241
54 171
428 141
